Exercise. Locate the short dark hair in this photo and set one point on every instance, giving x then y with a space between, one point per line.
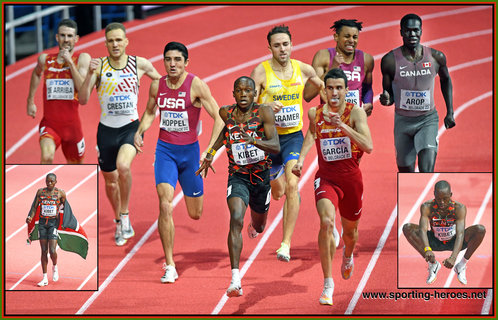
68 23
409 17
353 23
248 79
51 175
176 46
115 25
278 29
442 185
336 73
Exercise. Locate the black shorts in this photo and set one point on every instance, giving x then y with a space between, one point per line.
438 245
256 193
47 228
109 140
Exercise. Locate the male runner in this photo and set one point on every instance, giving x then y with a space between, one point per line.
408 74
64 73
179 96
447 232
117 80
282 79
357 65
249 136
341 135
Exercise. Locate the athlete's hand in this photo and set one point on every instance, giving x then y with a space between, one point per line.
66 55
430 257
450 262
385 98
449 121
297 169
333 118
338 60
276 106
139 142
205 165
94 65
368 107
248 139
31 110
28 220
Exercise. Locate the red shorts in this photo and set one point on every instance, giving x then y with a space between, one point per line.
69 136
344 190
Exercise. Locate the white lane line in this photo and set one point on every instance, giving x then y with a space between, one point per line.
87 279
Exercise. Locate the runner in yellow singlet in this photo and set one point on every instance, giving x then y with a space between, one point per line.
282 79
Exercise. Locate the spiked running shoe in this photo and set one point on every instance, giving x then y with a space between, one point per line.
462 277
170 274
326 297
118 235
43 283
55 275
234 290
433 270
126 227
347 267
283 253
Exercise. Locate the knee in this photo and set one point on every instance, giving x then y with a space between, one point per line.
277 194
350 233
291 187
165 209
327 224
406 229
47 158
236 221
481 230
195 213
123 169
53 252
44 252
111 182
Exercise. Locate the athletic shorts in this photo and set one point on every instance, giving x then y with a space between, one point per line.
437 245
47 228
344 190
109 140
179 163
290 147
414 134
254 189
67 135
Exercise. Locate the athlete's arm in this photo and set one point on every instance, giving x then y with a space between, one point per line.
271 143
34 205
145 67
78 72
320 63
424 227
360 132
366 90
36 76
62 196
310 74
201 91
308 142
90 80
148 116
387 66
460 212
259 77
446 87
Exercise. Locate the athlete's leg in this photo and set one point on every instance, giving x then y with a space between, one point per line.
350 235
473 236
52 247
278 187
165 224
126 154
292 202
412 234
112 191
48 147
258 221
426 160
194 206
326 241
44 253
237 209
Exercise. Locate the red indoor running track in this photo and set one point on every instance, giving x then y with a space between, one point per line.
23 270
224 43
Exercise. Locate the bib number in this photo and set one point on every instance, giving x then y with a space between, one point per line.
415 100
49 210
60 89
246 154
334 149
174 121
288 116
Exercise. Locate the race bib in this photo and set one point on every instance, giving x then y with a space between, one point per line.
246 154
334 149
288 116
174 121
121 105
444 233
415 100
353 97
60 89
48 210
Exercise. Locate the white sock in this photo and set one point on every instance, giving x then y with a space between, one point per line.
462 263
235 276
55 268
328 283
45 277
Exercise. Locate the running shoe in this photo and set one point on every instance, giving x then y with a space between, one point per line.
55 275
118 236
326 297
170 274
251 231
433 270
462 277
126 228
234 290
347 266
283 253
43 283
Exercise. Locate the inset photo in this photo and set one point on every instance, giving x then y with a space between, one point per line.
51 227
445 230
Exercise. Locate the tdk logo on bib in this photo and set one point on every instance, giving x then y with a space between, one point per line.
59 82
333 142
119 98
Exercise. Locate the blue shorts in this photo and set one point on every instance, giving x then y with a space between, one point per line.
179 163
290 148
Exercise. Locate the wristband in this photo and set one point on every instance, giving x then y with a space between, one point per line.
212 152
254 142
427 249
